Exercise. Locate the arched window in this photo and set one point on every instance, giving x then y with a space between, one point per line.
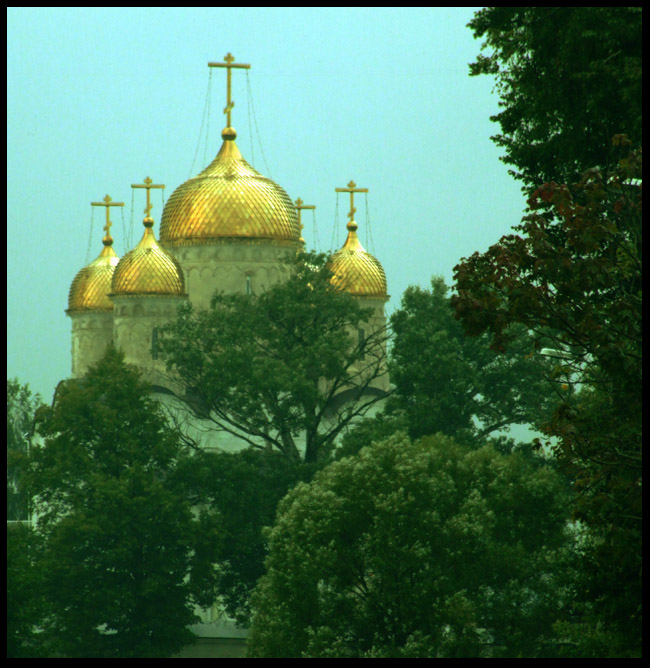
249 287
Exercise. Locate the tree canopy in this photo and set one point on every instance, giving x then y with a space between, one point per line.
270 368
451 383
572 274
568 78
416 550
21 411
116 534
242 490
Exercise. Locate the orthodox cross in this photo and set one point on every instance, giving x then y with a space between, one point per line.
229 64
352 188
107 202
300 206
148 184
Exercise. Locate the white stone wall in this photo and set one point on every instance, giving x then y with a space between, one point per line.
234 266
92 332
134 321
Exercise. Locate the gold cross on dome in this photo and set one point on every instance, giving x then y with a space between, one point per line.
229 64
300 206
107 202
148 184
352 188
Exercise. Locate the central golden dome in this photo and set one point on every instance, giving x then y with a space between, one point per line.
228 199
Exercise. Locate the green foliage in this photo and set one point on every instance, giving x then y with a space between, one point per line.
568 78
243 490
572 274
416 550
370 430
25 603
268 367
454 384
116 534
21 409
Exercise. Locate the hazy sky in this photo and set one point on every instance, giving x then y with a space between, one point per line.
100 98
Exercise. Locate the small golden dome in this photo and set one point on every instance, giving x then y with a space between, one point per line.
148 269
355 270
228 199
91 286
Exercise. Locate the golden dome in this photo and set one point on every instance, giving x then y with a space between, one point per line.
91 286
148 269
355 270
228 199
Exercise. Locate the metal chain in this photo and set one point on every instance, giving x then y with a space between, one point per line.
90 238
369 240
316 239
205 107
257 132
336 224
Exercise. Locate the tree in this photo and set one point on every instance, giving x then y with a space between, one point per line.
21 409
454 384
117 536
270 368
243 490
578 271
428 549
25 604
569 79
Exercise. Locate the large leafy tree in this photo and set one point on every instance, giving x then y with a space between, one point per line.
578 272
25 603
244 489
21 410
271 369
568 78
117 535
451 383
416 550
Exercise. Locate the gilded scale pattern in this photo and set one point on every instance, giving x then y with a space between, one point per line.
148 269
228 199
355 270
91 285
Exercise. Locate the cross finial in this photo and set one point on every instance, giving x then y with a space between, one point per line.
300 205
107 202
148 184
352 188
229 63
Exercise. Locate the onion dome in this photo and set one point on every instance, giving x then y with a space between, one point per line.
91 286
355 270
148 269
228 199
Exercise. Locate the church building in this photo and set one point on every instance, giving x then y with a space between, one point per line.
229 228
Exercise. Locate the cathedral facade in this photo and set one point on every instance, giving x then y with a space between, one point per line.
227 229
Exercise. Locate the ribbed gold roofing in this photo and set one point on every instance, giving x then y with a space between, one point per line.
91 285
148 269
228 199
355 270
